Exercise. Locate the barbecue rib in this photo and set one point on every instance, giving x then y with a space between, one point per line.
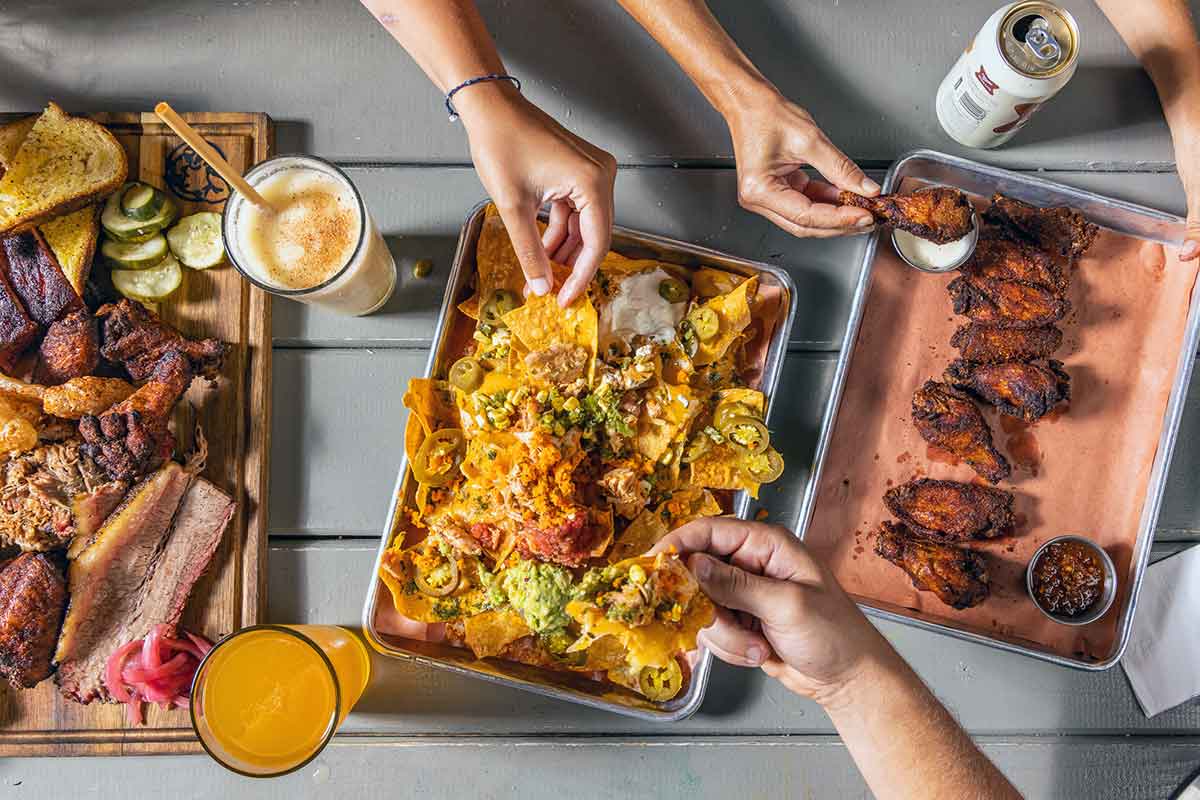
1006 304
949 511
17 330
132 438
1001 258
71 349
37 278
948 419
1062 231
985 344
1017 388
937 213
138 572
959 577
33 595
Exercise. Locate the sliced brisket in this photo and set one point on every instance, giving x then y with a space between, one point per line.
17 330
38 279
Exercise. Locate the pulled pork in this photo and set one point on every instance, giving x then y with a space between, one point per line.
39 488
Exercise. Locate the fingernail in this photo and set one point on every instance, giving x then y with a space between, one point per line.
1190 248
539 286
869 186
755 654
702 568
865 222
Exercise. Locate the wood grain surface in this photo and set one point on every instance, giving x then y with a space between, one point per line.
234 414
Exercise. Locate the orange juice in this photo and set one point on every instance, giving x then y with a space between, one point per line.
268 698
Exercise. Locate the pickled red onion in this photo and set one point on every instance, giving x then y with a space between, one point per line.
158 669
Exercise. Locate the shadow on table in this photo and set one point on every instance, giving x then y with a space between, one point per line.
1098 99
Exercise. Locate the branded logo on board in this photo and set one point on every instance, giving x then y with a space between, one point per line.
191 178
989 85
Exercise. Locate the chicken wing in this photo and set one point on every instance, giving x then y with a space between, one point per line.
1016 388
1001 258
1059 230
947 418
949 511
71 349
937 213
1006 304
959 577
33 597
136 339
987 345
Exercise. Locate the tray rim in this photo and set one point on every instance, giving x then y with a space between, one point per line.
703 668
1172 414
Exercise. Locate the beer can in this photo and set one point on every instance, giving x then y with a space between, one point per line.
1025 53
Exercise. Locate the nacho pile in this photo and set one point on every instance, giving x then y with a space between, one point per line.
560 446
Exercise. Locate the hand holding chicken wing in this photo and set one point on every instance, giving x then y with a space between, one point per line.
937 213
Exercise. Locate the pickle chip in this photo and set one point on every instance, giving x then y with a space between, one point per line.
151 285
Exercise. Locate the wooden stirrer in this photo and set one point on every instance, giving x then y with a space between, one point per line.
210 155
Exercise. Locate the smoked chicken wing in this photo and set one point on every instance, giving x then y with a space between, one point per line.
959 577
33 597
948 419
1059 230
71 349
1006 304
949 511
986 345
937 213
1001 258
1016 388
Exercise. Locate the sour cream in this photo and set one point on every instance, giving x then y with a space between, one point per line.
933 257
638 309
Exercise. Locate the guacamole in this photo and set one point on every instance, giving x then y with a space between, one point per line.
539 593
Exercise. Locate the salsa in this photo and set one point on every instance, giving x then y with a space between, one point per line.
1068 578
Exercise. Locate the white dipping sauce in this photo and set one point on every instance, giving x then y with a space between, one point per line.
638 308
931 255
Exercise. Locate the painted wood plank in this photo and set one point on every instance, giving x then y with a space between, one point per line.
867 74
584 769
991 692
420 211
338 424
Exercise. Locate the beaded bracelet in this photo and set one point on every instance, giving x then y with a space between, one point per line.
495 76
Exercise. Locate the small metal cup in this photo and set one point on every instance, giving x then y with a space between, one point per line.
1107 594
973 236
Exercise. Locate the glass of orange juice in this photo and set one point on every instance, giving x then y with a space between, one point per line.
268 698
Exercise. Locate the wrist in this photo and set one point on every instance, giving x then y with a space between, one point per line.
862 684
740 94
481 104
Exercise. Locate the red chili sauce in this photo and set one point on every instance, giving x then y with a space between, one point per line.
1068 578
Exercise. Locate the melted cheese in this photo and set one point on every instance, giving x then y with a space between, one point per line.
638 309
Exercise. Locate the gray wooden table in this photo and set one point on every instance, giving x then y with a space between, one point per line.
338 87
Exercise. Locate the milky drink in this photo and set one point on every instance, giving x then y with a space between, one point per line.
318 245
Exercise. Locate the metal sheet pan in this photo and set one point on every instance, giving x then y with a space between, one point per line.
561 685
1126 218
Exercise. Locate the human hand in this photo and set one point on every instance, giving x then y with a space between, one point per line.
1189 172
525 159
806 631
773 139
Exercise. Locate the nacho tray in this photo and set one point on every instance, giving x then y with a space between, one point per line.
1135 222
565 685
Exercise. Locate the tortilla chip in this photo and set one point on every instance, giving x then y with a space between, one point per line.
685 505
604 521
751 398
491 453
432 404
733 311
542 322
718 469
655 434
708 282
605 653
470 307
642 534
414 435
487 634
495 259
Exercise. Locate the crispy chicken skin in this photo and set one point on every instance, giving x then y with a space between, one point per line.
136 339
1059 230
1017 388
987 345
33 597
71 349
947 418
1006 304
959 577
937 213
949 511
1001 258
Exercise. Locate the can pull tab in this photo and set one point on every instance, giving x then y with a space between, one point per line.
1041 42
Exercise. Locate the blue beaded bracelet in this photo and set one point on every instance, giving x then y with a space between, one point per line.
481 79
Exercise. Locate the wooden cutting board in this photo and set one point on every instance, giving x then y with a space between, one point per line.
235 417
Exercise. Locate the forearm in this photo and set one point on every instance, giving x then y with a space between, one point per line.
691 35
904 741
447 38
1162 36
